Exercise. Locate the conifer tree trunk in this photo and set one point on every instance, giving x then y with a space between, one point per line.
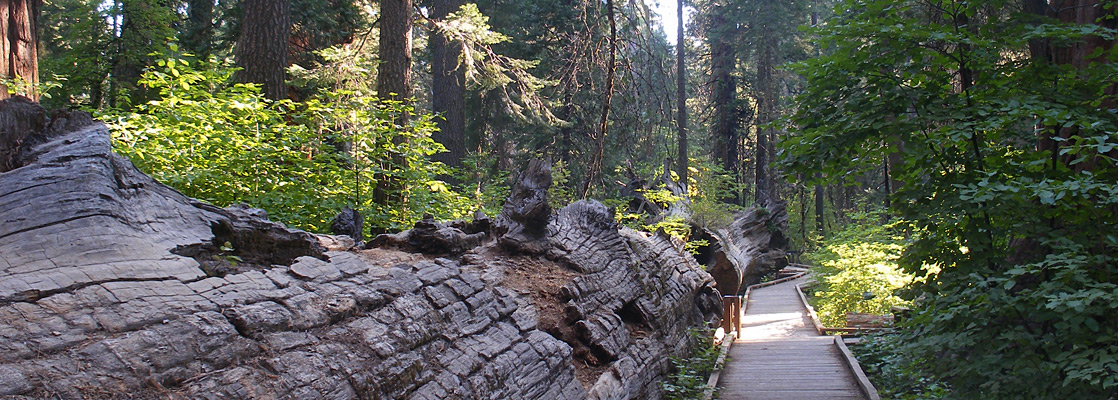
766 94
722 66
681 96
199 33
394 72
394 82
820 218
447 89
261 51
19 41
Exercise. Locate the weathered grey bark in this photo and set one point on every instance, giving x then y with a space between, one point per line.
113 285
18 116
350 223
527 212
448 93
618 305
19 42
261 51
431 237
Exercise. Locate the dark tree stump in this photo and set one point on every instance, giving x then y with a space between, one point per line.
351 223
527 212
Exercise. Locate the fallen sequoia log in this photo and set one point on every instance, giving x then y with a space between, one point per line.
747 250
741 254
113 285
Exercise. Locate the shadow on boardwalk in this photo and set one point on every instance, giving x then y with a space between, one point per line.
780 356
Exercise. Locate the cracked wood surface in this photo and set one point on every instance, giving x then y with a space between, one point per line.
780 356
97 302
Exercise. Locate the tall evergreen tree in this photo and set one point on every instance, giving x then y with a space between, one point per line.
262 49
394 74
448 88
394 79
19 41
723 97
144 28
681 97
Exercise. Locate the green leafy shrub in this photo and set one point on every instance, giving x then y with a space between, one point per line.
560 194
224 143
856 263
894 376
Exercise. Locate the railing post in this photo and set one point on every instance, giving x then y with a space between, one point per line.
737 314
727 314
731 314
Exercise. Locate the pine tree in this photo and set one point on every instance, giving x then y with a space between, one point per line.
262 49
448 89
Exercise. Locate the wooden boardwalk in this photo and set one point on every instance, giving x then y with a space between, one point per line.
779 355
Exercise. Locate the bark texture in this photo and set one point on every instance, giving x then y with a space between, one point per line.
747 250
766 113
448 95
723 96
394 83
113 285
261 50
19 42
394 72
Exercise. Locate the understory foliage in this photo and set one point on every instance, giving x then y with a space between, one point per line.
894 375
856 270
1007 175
225 143
690 374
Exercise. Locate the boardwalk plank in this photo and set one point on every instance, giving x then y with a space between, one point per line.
780 356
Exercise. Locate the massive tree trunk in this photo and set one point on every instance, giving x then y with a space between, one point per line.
199 35
766 95
447 89
394 80
262 48
752 246
19 39
681 97
725 113
394 72
141 300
